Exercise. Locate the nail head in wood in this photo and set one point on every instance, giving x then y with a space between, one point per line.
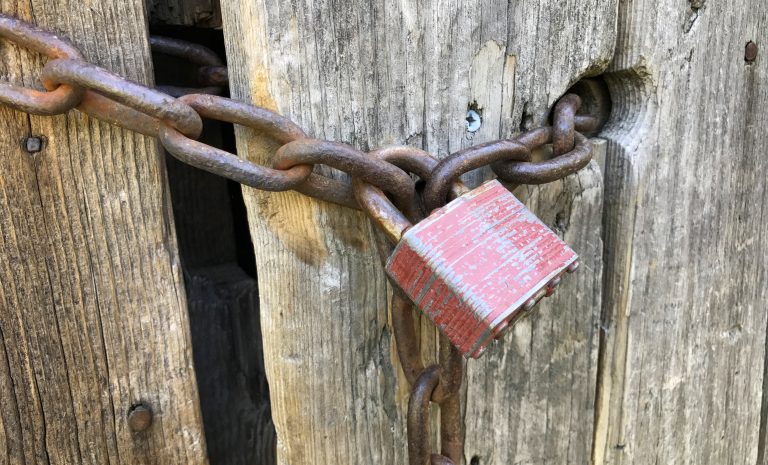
750 52
139 418
33 144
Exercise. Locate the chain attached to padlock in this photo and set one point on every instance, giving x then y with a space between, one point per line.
473 265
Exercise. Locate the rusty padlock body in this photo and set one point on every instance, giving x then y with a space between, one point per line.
474 266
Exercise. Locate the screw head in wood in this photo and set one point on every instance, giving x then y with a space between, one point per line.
33 144
139 418
750 52
474 121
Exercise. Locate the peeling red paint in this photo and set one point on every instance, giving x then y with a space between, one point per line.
472 265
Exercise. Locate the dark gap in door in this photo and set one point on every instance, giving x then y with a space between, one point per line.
220 280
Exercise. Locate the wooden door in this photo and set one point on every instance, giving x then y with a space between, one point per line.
380 73
93 317
683 359
655 353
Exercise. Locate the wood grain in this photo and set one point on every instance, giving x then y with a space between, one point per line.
530 399
379 73
92 311
683 364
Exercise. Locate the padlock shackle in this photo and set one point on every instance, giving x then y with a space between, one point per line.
375 203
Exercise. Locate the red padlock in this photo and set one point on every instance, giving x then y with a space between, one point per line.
474 266
477 264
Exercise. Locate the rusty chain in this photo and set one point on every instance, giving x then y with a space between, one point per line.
175 116
211 74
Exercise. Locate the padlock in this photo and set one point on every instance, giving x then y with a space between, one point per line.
474 266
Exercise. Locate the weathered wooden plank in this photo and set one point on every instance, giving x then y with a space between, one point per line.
92 310
683 366
199 13
530 399
377 73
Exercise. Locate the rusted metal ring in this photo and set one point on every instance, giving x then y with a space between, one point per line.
389 219
451 370
212 74
532 140
375 203
349 160
564 133
418 416
230 166
151 102
278 127
545 171
416 161
59 99
586 124
329 190
189 51
408 159
451 437
595 101
563 126
450 168
105 109
406 340
283 131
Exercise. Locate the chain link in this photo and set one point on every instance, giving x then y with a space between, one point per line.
211 76
71 82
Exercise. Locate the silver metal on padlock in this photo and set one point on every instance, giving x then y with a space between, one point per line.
474 266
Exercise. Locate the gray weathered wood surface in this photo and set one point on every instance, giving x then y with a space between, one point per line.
530 399
373 74
93 315
683 365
